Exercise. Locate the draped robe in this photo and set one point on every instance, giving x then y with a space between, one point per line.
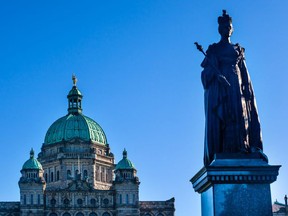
231 117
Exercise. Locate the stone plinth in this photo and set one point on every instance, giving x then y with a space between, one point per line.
236 186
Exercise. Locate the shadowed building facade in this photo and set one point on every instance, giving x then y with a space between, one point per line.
75 174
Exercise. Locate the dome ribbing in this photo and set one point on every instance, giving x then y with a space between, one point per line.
75 126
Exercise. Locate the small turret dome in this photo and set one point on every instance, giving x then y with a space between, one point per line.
75 125
32 163
125 163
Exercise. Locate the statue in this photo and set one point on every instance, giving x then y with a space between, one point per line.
232 124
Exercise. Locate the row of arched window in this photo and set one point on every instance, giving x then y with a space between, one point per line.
102 174
51 177
30 200
127 199
81 214
69 174
127 175
31 175
79 201
74 103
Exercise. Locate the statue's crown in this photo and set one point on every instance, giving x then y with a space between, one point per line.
224 18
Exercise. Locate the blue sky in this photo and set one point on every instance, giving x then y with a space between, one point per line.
139 72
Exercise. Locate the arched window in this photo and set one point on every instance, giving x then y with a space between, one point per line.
105 214
51 177
66 214
38 199
53 201
74 103
127 198
46 177
79 201
102 174
31 199
24 199
79 214
57 175
93 214
85 174
120 198
134 198
53 214
105 201
97 174
68 174
93 201
66 201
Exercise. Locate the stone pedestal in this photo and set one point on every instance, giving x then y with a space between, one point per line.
236 186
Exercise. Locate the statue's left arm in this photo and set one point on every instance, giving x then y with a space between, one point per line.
246 85
255 136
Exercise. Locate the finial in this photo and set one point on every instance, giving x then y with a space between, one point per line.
32 153
124 153
74 78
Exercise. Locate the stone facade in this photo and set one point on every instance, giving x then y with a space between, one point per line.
9 208
159 208
75 174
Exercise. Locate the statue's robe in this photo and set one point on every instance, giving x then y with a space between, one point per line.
231 117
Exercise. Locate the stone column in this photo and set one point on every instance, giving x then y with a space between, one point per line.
236 186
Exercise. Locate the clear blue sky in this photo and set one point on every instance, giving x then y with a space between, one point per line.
139 73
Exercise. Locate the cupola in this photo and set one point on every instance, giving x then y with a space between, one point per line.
125 169
125 163
75 125
32 163
74 99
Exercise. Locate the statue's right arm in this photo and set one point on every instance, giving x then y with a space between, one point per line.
208 73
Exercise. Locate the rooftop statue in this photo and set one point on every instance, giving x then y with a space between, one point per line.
232 124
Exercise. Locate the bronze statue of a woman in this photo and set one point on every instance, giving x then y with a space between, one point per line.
232 124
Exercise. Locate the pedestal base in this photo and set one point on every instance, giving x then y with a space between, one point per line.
237 187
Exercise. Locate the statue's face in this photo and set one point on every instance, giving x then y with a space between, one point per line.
225 29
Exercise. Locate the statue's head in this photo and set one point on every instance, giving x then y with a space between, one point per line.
225 27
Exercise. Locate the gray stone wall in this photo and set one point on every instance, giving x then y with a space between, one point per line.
10 208
157 208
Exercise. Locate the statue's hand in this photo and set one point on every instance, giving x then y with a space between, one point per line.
222 79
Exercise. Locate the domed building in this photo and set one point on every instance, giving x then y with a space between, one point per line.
75 174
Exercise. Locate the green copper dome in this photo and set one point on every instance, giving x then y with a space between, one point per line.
32 163
74 126
125 163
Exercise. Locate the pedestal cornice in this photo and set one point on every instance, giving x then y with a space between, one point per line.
234 171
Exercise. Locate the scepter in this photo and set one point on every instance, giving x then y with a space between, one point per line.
221 78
